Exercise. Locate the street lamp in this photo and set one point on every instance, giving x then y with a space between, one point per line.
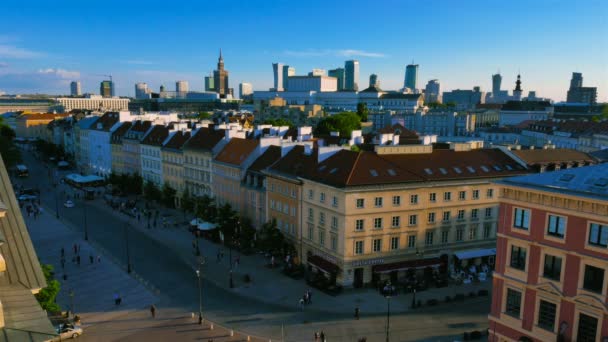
414 298
86 226
388 292
72 302
200 296
56 200
126 228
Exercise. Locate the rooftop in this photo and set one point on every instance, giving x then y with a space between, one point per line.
120 131
588 181
177 140
106 122
562 155
204 139
269 157
236 151
527 105
156 135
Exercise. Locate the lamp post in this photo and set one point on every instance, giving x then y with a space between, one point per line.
200 296
388 292
86 226
56 201
72 302
126 228
414 298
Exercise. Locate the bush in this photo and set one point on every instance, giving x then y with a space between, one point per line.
431 302
475 335
482 293
472 294
448 299
459 297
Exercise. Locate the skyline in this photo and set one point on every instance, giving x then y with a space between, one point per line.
546 41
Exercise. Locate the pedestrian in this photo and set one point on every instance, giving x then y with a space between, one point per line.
305 297
272 261
78 248
75 248
237 261
78 260
116 297
62 262
302 304
153 310
218 256
62 252
316 336
91 259
322 336
138 217
309 295
357 313
98 259
65 277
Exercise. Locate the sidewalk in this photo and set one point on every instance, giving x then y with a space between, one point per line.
93 284
266 281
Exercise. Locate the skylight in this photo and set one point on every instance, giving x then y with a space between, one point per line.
484 168
457 169
428 171
322 167
509 167
373 172
392 172
497 168
566 178
444 171
333 170
471 169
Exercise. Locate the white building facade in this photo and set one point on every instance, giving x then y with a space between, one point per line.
93 102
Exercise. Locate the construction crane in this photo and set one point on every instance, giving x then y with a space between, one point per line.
110 76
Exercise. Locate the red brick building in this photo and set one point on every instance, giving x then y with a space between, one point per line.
551 277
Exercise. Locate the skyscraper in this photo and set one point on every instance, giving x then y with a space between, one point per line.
220 78
277 70
75 88
579 94
496 81
245 90
351 75
106 88
373 81
142 91
339 75
411 77
287 72
432 92
209 83
181 86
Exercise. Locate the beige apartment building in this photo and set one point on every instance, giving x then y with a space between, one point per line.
278 108
173 162
131 146
34 125
198 157
371 216
116 148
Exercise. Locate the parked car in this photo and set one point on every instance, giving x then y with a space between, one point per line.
27 197
67 331
68 204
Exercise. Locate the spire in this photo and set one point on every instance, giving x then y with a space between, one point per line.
221 55
518 83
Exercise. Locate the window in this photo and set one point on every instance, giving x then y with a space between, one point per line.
513 306
487 230
473 232
396 221
413 220
598 235
394 243
461 214
334 242
446 216
546 315
311 194
475 194
378 201
377 245
334 222
444 236
396 200
447 196
518 258
431 217
413 199
322 197
594 279
522 219
474 214
489 212
429 238
311 231
378 223
459 234
411 241
462 195
321 237
553 267
556 226
490 193
321 219
359 225
587 328
360 202
311 214
293 211
334 201
432 197
358 247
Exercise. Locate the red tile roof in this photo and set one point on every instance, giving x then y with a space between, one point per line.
269 157
156 136
295 163
106 121
562 155
236 151
204 139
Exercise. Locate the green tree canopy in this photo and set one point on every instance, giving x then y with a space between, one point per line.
204 115
187 201
46 296
168 196
151 192
278 122
344 122
9 152
362 111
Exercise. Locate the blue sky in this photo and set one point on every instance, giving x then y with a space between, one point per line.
46 44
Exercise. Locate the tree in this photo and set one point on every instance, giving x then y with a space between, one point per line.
187 202
168 196
270 237
205 208
46 296
204 115
278 122
151 192
344 122
246 235
9 152
227 220
362 111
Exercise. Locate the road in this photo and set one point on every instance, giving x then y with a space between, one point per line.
177 283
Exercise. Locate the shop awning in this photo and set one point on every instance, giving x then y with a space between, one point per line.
475 253
322 264
405 265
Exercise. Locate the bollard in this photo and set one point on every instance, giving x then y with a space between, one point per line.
231 332
248 338
192 314
211 326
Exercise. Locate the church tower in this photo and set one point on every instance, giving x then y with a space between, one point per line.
517 91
